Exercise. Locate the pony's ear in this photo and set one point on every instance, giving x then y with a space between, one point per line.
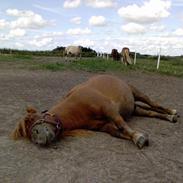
31 110
19 131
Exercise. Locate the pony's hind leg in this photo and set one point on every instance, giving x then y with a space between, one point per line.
139 96
144 111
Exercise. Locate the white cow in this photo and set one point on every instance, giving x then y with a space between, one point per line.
73 51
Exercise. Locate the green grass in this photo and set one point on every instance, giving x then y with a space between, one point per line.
97 65
16 57
89 65
172 66
23 57
52 67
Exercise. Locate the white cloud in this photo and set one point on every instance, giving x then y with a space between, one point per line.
133 28
157 28
97 21
50 35
55 34
76 20
100 3
78 31
4 37
46 40
12 12
17 32
178 32
84 43
18 13
91 3
170 45
151 11
3 23
41 42
72 3
19 45
26 19
146 34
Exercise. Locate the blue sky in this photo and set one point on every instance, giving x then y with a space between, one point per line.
144 26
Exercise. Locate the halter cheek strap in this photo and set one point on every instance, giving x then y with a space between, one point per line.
59 126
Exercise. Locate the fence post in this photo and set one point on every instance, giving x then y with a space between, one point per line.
107 56
103 55
135 58
159 58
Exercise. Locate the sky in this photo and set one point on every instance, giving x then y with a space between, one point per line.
145 26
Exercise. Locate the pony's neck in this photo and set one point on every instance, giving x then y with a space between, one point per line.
61 112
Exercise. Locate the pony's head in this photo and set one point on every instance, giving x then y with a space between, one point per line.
36 127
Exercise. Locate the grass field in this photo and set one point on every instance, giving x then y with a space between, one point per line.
172 66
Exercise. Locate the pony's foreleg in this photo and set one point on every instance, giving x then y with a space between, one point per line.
122 60
144 111
138 138
65 57
114 131
139 96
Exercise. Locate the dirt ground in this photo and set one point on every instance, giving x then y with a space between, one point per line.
95 159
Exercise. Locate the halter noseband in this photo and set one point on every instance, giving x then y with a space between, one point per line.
56 122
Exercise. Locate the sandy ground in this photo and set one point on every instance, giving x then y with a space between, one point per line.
96 159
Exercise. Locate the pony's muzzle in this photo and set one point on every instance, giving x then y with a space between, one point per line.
42 134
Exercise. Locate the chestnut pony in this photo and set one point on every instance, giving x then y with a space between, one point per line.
102 103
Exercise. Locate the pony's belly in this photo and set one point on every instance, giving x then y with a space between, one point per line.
127 106
127 112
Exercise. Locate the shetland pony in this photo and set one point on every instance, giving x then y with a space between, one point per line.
103 103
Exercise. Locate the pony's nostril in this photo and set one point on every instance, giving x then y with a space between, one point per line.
36 131
47 129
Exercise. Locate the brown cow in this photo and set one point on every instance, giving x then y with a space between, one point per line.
102 103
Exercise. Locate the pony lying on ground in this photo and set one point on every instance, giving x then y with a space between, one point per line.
102 103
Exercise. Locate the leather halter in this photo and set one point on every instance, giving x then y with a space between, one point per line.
56 122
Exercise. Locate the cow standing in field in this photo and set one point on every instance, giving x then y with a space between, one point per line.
73 51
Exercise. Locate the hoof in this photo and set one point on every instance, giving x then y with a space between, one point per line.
173 118
174 112
141 140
